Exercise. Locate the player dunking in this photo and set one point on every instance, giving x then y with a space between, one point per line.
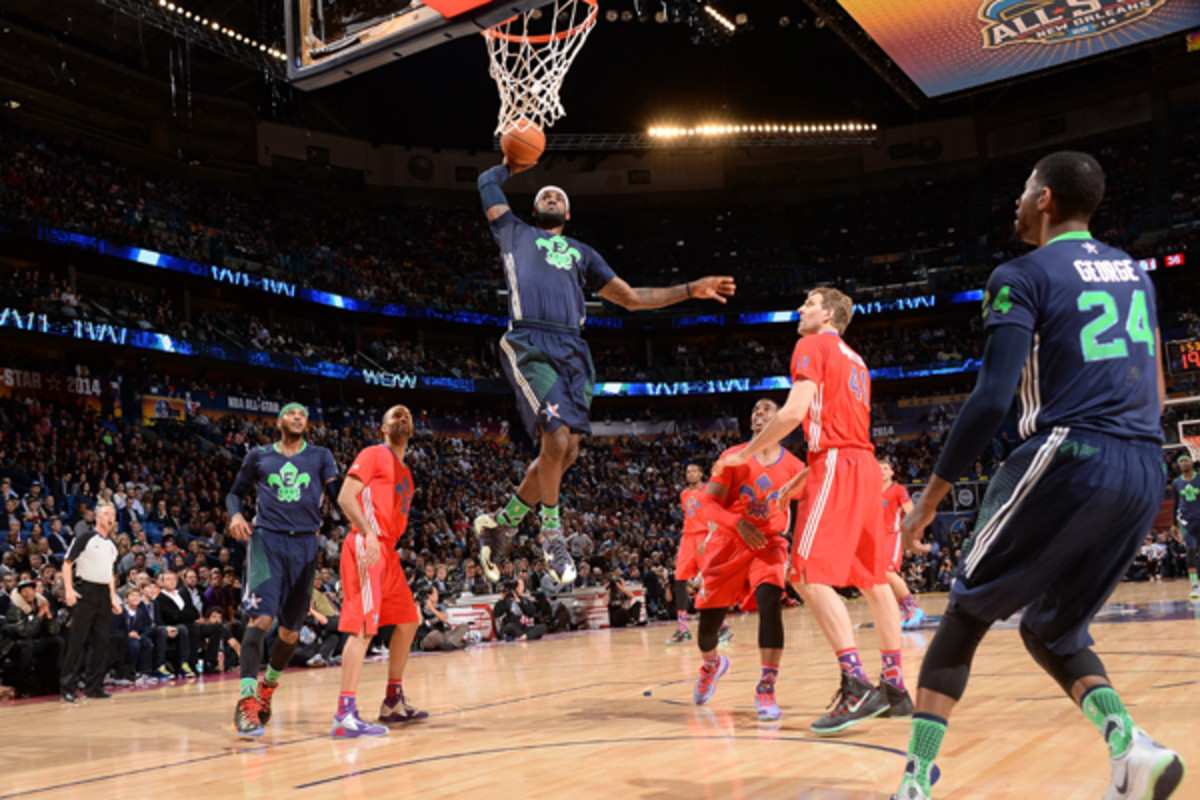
745 555
1186 490
1074 323
289 477
376 496
840 541
897 503
687 559
545 356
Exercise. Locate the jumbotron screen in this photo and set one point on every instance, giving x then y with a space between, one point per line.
947 46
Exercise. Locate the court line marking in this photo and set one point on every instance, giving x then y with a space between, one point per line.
594 743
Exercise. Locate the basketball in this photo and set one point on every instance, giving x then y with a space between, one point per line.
522 143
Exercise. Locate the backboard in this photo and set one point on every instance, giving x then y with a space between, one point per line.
331 40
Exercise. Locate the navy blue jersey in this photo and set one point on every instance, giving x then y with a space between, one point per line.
289 489
546 274
1187 499
1093 316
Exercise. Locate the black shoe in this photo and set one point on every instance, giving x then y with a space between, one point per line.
854 702
900 703
69 697
245 718
97 694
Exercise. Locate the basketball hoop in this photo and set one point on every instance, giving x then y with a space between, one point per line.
1193 446
530 54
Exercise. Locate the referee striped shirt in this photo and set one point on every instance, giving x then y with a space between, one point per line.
93 556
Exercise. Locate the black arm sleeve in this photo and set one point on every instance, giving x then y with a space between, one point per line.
1004 356
332 489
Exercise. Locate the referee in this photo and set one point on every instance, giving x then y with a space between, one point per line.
92 555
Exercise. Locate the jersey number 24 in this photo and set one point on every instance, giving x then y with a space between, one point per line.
1095 338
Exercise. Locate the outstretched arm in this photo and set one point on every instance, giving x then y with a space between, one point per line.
495 204
712 287
785 421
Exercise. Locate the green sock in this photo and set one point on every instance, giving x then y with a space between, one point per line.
272 675
550 517
513 513
1104 708
923 746
1192 575
249 687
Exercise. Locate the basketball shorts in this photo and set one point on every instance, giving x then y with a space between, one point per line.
839 537
552 374
375 597
893 543
1059 526
687 561
731 571
1189 531
279 576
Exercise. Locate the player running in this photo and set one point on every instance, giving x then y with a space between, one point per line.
691 548
745 555
545 356
289 477
1186 491
376 496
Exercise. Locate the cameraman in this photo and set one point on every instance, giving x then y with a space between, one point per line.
515 615
623 610
436 632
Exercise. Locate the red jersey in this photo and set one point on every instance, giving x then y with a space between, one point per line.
754 489
894 498
840 414
387 490
693 520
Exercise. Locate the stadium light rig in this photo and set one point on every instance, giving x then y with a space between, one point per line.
765 129
217 27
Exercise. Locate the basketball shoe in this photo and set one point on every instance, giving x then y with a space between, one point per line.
1195 593
681 636
400 712
900 703
725 635
494 540
351 726
913 620
558 557
855 701
245 717
706 684
768 709
265 692
1147 771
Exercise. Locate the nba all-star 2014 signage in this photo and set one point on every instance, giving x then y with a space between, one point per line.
1010 22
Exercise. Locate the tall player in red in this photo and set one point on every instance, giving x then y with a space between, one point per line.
376 497
842 541
746 555
691 548
896 506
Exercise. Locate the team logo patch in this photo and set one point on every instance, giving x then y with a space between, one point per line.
252 602
288 483
1054 21
559 253
1091 247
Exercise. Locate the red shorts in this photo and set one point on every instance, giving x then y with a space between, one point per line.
732 571
894 547
376 597
839 539
687 562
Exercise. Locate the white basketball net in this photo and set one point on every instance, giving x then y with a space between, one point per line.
530 55
1189 434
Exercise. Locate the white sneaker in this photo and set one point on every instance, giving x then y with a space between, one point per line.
1147 771
1195 595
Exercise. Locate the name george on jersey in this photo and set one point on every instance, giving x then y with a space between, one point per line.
1102 271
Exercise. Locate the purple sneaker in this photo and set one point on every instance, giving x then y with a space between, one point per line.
351 726
768 709
706 684
400 712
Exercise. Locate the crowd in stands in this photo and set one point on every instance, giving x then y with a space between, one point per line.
916 238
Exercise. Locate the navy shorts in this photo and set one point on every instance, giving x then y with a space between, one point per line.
1059 526
552 374
1190 531
279 576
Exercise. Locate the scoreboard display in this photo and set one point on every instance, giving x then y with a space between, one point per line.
1183 356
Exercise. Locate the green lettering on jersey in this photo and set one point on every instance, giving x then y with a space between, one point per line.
288 483
559 253
1003 302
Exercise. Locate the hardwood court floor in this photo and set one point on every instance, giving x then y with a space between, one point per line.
609 715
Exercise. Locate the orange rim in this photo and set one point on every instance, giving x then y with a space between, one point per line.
495 33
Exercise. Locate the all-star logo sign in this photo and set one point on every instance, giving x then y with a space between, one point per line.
1054 21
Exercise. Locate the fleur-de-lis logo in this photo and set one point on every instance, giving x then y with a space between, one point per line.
288 483
559 253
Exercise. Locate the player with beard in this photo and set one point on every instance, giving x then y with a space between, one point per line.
545 356
376 497
289 478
